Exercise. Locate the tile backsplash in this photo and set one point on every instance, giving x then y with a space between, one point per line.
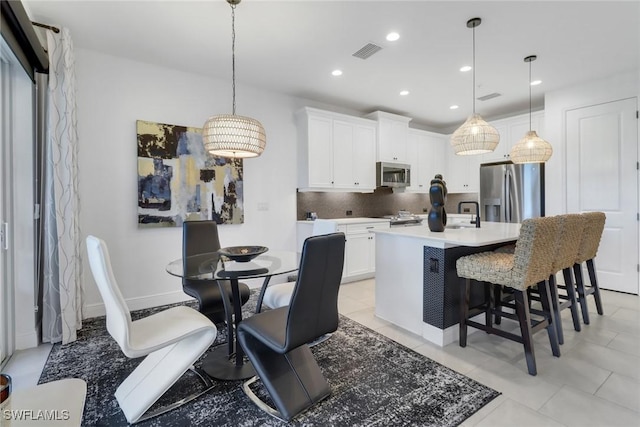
379 203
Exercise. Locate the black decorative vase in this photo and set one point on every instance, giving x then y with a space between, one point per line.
437 218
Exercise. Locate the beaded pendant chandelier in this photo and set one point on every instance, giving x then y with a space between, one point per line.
230 135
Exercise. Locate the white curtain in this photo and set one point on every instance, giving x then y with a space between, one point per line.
62 264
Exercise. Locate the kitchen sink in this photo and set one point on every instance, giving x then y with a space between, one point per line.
459 225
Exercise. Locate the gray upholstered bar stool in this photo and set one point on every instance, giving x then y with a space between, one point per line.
570 229
529 265
594 225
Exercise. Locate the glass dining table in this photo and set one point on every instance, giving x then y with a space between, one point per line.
230 363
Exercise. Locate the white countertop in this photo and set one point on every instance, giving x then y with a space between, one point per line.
489 233
347 221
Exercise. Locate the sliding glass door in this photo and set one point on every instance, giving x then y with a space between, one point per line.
17 273
6 290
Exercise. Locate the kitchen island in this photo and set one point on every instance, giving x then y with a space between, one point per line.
417 287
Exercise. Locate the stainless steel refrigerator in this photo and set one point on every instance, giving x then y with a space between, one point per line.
511 193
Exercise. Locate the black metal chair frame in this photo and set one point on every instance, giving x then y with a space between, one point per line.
206 292
276 340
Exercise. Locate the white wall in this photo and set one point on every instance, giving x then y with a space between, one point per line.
557 103
112 94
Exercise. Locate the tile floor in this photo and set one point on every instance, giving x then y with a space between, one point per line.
596 381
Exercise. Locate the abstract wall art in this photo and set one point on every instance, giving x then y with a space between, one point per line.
179 181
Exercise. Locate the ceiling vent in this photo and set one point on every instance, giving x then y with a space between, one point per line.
489 96
367 50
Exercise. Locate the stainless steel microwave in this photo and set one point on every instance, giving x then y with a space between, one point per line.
393 174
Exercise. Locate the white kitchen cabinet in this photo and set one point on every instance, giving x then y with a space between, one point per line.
360 245
360 251
512 130
337 152
353 156
359 248
392 132
463 173
320 148
426 151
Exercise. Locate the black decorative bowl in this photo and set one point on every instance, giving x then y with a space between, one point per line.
242 253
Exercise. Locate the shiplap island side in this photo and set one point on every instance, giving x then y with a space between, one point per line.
417 287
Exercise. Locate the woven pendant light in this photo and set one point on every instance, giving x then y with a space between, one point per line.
531 148
475 136
230 135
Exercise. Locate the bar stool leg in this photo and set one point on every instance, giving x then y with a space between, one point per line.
465 290
594 285
490 304
571 293
582 296
497 297
555 307
524 318
545 299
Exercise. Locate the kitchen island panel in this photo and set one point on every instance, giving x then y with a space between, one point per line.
441 285
399 267
417 286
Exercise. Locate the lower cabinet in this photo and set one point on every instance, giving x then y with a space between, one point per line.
360 254
360 246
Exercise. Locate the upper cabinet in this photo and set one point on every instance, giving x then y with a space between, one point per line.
463 172
511 131
426 153
336 153
392 133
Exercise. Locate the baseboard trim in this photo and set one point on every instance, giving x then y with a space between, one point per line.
444 337
138 303
28 340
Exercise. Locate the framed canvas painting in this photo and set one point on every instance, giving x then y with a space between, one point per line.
179 181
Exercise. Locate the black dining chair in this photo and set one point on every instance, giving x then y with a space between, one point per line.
276 340
200 237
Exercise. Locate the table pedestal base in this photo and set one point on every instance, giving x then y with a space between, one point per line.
219 365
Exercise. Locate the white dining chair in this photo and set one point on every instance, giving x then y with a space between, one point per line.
172 340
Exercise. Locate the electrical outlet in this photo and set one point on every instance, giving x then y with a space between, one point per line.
425 210
466 210
434 265
349 213
263 206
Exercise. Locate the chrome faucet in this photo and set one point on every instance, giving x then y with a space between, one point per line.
477 221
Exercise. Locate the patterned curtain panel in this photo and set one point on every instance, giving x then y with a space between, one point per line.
62 293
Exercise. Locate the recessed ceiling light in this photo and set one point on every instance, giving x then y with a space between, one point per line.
536 82
404 92
393 37
465 68
336 72
453 107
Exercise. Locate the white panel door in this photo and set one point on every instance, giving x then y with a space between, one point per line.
602 175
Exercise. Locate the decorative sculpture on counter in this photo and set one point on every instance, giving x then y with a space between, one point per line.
438 195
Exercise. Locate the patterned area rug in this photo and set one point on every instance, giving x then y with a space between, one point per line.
374 381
